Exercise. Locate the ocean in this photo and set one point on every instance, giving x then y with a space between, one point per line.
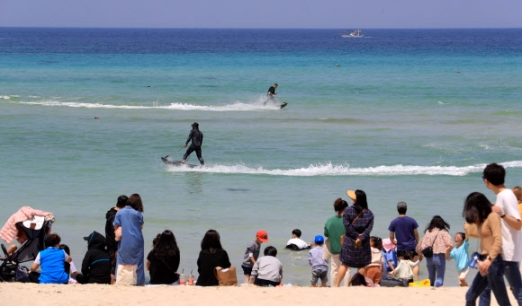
405 115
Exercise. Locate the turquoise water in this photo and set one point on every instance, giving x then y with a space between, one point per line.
405 115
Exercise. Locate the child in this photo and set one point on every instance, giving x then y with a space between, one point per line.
389 256
70 268
318 265
375 268
405 268
52 261
461 256
251 254
296 243
268 270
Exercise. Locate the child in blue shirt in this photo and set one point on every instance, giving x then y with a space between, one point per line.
318 265
389 255
461 256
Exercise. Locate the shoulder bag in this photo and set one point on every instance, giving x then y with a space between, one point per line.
428 251
353 221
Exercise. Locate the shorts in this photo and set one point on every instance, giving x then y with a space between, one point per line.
319 274
412 253
266 283
247 270
374 273
463 273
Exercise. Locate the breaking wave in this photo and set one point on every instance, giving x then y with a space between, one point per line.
344 170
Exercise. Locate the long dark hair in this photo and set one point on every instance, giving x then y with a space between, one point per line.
360 201
437 222
211 242
166 245
476 208
135 202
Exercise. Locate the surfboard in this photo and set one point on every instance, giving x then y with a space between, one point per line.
284 104
177 163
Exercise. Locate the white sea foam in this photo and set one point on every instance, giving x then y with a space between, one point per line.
344 170
236 106
5 97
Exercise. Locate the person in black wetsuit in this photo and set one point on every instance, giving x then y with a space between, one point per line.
196 136
271 93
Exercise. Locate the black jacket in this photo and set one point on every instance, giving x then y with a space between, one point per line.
196 136
96 266
109 230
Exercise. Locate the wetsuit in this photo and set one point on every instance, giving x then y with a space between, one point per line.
196 136
271 93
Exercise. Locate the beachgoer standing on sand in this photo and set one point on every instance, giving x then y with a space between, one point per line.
112 244
318 265
358 222
506 206
436 236
461 256
404 230
252 253
478 210
333 230
131 247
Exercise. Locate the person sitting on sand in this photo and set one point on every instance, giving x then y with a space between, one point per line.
375 268
296 243
163 260
404 269
212 255
52 261
96 264
268 270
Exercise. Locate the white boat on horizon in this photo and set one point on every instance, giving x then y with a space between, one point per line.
353 34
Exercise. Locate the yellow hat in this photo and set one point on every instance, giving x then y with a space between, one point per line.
351 194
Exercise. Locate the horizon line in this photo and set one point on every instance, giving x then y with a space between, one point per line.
227 28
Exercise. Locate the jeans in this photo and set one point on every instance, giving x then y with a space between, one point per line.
512 274
436 267
494 279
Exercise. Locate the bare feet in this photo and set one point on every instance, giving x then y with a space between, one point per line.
183 161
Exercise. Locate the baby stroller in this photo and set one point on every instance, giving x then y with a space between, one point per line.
36 230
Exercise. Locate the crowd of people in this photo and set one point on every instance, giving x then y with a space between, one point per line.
118 257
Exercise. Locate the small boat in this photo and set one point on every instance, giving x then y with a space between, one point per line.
353 34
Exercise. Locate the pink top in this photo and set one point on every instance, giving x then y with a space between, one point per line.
441 241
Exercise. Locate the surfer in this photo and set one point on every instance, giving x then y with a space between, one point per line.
271 94
196 136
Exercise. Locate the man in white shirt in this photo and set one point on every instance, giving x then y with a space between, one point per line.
296 243
506 206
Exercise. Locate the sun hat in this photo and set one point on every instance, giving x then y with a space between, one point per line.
351 194
262 235
319 239
387 244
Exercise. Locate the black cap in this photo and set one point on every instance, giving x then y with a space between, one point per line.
195 124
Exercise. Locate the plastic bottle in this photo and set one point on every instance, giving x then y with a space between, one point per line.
191 279
182 278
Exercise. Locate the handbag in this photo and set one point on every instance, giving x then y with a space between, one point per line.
428 251
226 277
353 221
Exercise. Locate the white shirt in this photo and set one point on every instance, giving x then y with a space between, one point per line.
511 238
298 242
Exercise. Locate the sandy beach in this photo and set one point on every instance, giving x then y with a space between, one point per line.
29 294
